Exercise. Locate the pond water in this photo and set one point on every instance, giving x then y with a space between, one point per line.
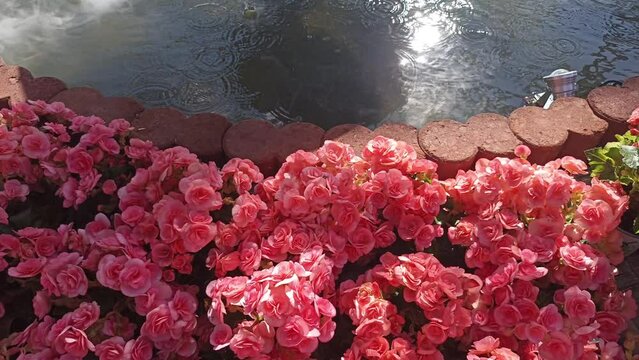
323 61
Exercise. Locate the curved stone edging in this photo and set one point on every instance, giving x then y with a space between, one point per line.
569 127
17 84
615 104
86 101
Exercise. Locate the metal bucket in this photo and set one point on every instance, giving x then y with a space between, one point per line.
562 83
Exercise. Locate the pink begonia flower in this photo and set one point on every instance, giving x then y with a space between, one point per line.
63 274
296 333
28 268
136 277
221 336
574 166
557 346
241 167
216 311
276 307
41 304
229 236
85 315
186 347
120 125
532 332
183 304
109 270
375 348
633 120
72 281
294 206
528 310
196 236
71 193
246 209
611 325
522 151
36 145
138 349
48 246
398 186
138 149
13 189
575 257
596 217
456 318
133 215
505 354
79 161
199 194
246 344
158 294
74 342
110 349
277 244
4 216
346 215
410 226
159 324
250 257
362 242
183 263
621 302
485 346
611 351
84 123
162 254
435 332
382 151
334 154
578 305
109 187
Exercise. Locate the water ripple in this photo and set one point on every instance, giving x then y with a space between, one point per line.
155 88
207 16
450 6
214 61
248 40
555 50
345 4
196 96
383 8
473 30
365 58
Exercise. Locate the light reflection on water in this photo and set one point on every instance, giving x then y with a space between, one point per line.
324 61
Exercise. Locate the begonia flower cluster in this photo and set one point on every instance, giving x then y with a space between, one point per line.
111 248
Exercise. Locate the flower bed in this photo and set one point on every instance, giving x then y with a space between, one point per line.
124 251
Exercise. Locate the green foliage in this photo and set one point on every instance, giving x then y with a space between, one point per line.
619 161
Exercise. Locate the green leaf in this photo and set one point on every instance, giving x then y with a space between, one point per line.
630 156
626 180
602 165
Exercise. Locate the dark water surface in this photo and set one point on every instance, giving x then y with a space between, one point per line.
323 61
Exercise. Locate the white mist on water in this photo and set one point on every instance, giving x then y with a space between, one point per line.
27 24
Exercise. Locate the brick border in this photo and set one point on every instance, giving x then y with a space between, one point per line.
569 127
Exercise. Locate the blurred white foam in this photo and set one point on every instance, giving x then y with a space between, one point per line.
98 7
29 23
